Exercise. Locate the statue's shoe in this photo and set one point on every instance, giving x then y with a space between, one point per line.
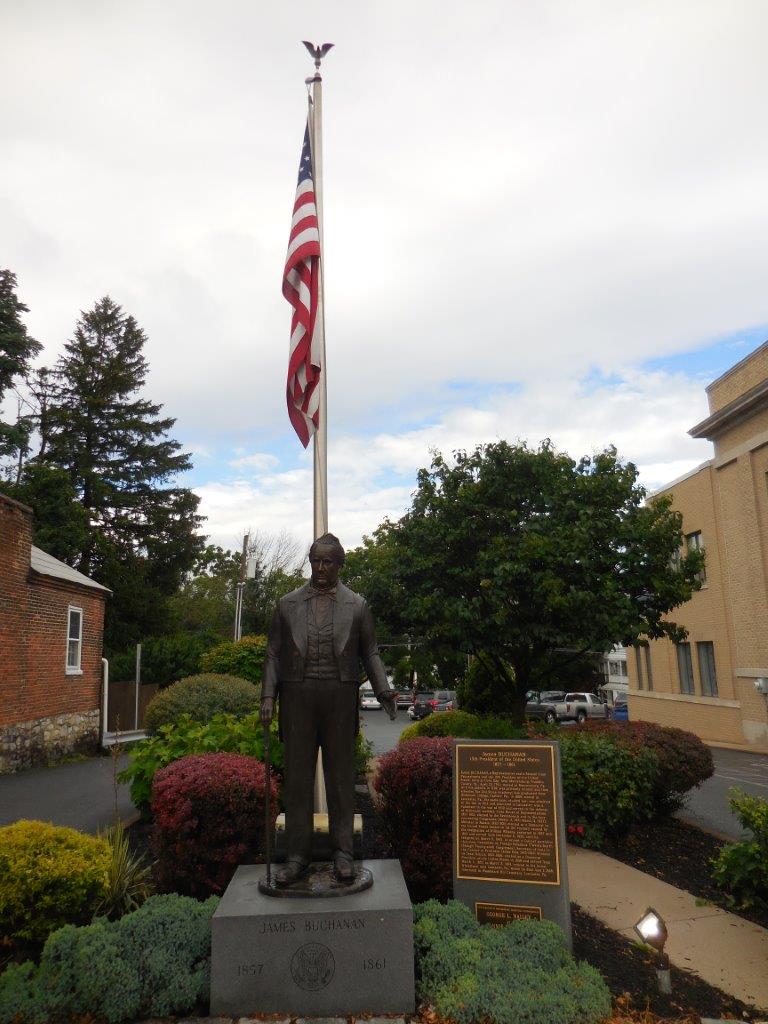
343 868
290 872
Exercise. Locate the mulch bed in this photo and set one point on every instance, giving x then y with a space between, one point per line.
630 973
681 855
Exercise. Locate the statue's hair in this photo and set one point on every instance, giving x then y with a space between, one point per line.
329 540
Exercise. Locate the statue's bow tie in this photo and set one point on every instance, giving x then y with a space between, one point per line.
316 592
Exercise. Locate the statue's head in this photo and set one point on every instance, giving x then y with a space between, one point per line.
326 556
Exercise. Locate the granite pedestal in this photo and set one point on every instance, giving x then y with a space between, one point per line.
313 957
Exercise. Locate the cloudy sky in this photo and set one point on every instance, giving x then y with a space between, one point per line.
542 218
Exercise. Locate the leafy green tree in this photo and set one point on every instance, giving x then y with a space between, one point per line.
112 442
17 348
528 560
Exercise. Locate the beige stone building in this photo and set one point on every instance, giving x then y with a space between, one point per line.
708 684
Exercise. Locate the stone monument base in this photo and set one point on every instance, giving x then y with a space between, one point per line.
313 957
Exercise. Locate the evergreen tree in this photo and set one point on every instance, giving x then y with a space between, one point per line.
17 347
113 444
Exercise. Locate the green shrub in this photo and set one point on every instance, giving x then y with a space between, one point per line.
741 869
521 972
223 734
684 760
151 963
164 659
464 725
244 658
49 876
201 697
608 786
363 754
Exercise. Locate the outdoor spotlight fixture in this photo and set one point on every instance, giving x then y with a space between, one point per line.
653 931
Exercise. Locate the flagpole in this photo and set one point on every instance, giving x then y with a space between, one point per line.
321 433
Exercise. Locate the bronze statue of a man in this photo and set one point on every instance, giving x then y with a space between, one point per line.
318 636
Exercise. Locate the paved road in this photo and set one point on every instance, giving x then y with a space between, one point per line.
707 806
382 733
80 795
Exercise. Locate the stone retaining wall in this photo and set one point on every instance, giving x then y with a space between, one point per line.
25 744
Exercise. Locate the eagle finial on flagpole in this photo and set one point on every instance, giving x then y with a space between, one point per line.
317 52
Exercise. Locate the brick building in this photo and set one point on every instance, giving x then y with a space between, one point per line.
51 626
707 684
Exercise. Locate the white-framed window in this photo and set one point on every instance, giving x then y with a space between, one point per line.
74 639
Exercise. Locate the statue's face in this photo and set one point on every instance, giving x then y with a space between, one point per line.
325 566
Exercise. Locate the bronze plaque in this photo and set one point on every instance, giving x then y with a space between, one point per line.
506 813
499 914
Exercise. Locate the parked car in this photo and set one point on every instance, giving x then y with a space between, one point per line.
543 705
444 700
404 698
620 710
422 704
578 707
368 699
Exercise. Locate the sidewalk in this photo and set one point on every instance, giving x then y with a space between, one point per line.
80 795
723 949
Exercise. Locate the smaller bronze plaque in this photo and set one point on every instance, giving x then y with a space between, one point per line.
499 914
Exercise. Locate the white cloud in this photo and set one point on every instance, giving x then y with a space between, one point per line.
258 461
645 415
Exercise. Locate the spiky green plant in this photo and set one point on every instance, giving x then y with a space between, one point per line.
129 877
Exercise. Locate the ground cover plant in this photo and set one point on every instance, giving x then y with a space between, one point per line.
201 697
522 972
103 970
49 876
209 818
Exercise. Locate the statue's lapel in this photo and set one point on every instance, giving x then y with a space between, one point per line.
299 612
343 617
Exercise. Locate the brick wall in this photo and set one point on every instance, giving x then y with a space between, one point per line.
37 694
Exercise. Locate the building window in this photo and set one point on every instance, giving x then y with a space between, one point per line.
74 638
648 670
643 665
707 671
685 668
693 542
624 670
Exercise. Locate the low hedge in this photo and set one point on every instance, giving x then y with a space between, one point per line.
209 818
49 876
464 724
243 658
201 697
521 972
684 760
152 963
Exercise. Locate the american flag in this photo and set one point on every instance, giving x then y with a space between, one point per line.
300 287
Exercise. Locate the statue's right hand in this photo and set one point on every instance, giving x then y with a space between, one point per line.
267 709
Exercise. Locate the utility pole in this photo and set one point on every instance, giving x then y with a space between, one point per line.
238 632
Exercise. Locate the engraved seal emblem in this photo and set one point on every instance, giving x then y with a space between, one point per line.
313 966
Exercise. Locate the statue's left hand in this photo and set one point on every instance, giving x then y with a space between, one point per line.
387 701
